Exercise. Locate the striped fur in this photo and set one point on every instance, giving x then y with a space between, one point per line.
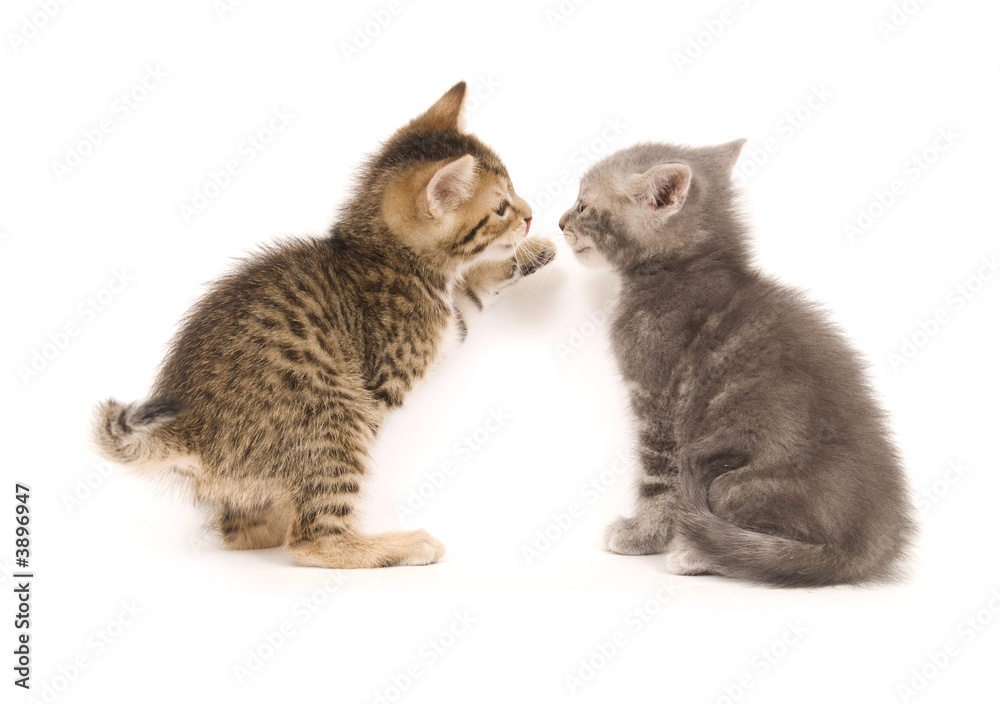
272 393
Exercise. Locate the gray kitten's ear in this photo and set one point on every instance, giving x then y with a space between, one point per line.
451 185
446 113
730 152
663 188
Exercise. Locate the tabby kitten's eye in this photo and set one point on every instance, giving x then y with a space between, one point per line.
502 208
581 206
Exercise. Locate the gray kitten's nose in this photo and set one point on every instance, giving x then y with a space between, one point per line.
562 220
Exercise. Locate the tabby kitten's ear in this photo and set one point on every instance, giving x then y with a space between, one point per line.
451 186
446 113
663 188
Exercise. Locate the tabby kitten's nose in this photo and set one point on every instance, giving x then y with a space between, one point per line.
527 226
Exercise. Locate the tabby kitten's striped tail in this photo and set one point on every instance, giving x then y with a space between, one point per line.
134 433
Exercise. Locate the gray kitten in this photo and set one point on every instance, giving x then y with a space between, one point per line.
764 453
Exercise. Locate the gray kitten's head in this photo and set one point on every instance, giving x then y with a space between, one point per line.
656 201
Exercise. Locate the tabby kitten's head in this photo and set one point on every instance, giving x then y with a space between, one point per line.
655 201
442 192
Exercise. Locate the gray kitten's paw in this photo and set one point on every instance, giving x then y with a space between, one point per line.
682 559
626 537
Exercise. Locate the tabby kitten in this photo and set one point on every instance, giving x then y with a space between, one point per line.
764 455
272 392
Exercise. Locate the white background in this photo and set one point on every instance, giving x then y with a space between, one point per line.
548 84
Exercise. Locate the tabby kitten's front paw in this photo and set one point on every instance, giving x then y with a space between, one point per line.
626 536
482 282
354 551
421 548
534 254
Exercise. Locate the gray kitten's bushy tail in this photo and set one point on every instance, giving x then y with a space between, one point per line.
732 551
134 434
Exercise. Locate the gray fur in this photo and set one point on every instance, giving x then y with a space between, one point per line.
765 456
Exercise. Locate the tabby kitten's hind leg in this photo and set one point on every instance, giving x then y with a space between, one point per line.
254 527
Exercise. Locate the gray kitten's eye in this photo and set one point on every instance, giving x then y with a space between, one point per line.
581 206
